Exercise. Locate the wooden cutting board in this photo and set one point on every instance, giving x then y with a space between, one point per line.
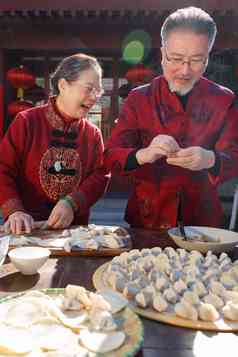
58 251
221 325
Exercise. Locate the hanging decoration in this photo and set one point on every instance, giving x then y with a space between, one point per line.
21 78
139 74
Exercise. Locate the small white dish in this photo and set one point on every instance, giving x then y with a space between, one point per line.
4 244
227 240
29 259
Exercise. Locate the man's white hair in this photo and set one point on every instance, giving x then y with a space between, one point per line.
193 19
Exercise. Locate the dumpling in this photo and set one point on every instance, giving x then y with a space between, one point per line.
225 264
123 258
134 275
215 300
186 311
98 302
143 281
78 293
207 312
145 252
143 299
175 275
180 286
150 290
223 256
227 280
102 320
154 275
209 274
117 281
148 265
159 303
182 254
156 251
161 283
162 261
191 297
191 277
199 289
170 295
170 252
195 258
231 296
130 290
230 311
217 288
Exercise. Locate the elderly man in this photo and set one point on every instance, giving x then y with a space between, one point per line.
178 135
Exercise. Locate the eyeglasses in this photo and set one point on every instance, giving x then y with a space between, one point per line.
93 91
194 64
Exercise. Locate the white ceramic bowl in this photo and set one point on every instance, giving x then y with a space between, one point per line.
4 244
29 259
227 239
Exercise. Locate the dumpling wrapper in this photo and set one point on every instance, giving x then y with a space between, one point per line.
71 352
52 336
102 342
36 308
116 300
25 311
15 340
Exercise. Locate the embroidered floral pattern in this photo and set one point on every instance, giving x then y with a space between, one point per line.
55 120
57 185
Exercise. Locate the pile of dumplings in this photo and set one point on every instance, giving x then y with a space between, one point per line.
78 323
187 284
96 237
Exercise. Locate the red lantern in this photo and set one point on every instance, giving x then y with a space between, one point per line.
18 106
21 77
139 74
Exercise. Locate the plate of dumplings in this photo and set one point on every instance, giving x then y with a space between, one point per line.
175 286
204 239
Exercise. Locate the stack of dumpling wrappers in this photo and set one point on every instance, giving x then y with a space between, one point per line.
176 282
37 324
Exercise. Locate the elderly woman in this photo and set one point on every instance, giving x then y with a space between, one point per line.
51 165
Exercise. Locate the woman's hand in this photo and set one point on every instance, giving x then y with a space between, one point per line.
61 216
18 223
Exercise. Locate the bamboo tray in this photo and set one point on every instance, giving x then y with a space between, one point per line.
220 325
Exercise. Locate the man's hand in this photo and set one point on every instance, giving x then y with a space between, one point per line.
61 216
18 223
161 145
193 158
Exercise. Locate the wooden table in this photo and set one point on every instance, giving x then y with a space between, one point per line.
160 340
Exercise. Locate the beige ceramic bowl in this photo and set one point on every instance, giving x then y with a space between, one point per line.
227 239
29 259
